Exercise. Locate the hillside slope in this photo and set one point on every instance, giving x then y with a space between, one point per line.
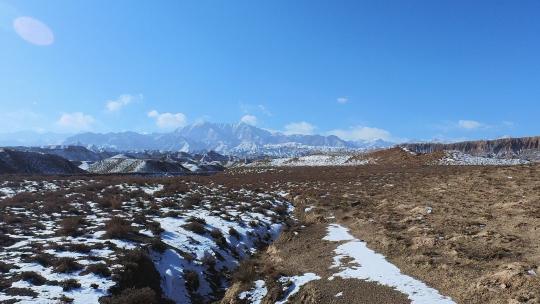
12 161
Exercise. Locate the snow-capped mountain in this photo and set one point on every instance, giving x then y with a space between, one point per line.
237 139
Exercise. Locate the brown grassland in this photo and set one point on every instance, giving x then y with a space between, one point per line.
471 232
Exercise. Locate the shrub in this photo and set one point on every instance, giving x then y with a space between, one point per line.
155 227
158 245
5 268
14 291
43 259
117 228
33 278
80 247
217 235
199 220
69 226
233 232
195 227
70 284
66 265
172 213
65 299
98 269
281 210
133 296
192 280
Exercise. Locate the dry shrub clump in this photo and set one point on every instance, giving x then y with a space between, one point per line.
66 265
98 269
218 237
71 226
118 228
33 278
196 225
234 233
70 284
144 295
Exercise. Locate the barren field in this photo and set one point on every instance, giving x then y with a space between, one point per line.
466 234
469 232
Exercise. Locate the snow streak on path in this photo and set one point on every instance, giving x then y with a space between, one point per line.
368 265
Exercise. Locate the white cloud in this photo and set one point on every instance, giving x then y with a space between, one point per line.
302 127
76 121
249 119
470 124
122 101
361 133
342 100
168 120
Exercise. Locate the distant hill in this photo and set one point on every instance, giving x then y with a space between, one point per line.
164 165
20 162
525 148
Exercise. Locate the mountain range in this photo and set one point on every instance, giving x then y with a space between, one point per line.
239 139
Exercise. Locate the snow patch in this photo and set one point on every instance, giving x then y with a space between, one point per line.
294 283
255 295
368 265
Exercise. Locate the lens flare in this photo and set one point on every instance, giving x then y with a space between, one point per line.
33 31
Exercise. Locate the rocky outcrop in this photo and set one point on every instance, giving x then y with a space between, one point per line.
525 148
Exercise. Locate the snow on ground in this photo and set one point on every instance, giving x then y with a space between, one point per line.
172 265
354 260
255 295
294 283
6 190
461 159
312 161
231 225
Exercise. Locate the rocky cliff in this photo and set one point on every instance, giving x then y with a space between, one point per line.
525 148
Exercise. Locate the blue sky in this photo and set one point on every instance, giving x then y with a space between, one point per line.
359 69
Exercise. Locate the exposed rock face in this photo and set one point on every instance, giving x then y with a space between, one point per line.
525 148
12 161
